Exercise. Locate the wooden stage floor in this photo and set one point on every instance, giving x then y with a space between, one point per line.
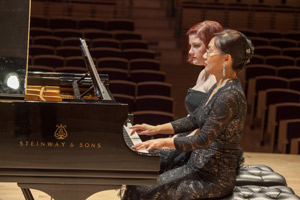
284 164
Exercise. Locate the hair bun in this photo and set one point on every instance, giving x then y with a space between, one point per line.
249 51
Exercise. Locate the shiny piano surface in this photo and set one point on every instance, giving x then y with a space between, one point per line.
69 149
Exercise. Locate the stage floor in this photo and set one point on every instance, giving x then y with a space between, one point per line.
285 164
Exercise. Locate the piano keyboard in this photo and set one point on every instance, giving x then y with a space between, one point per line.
132 139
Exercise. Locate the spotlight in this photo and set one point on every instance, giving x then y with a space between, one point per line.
12 80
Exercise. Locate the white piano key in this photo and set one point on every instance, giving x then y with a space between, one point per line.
134 137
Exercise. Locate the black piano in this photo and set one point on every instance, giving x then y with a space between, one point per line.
69 148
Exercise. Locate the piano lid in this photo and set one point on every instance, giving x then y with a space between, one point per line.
14 21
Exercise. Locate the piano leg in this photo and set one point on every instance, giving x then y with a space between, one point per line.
67 192
27 194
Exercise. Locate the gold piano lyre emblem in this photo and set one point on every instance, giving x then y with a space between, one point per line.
61 132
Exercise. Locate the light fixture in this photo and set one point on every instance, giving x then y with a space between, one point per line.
12 80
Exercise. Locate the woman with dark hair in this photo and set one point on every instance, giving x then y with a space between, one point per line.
199 36
210 171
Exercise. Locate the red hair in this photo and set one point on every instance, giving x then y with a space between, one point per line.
205 31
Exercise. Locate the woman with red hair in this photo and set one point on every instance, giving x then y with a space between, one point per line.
199 37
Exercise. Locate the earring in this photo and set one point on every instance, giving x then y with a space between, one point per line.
224 70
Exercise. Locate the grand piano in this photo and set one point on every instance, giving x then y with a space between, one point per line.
71 145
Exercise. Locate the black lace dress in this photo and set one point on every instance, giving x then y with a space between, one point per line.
210 171
169 158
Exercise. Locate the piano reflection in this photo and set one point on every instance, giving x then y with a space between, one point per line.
70 144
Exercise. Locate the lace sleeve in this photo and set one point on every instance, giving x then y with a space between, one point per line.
185 124
223 110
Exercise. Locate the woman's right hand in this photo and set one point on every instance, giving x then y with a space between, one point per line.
143 129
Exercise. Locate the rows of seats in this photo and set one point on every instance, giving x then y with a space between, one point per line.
147 95
98 52
274 47
273 94
134 73
62 34
113 41
236 15
85 23
272 85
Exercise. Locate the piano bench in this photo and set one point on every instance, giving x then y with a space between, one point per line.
248 192
260 175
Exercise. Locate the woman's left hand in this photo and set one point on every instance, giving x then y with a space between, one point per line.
156 144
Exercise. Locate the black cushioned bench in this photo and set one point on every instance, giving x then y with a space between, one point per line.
260 182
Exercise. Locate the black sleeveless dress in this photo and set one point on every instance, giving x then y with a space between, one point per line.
210 170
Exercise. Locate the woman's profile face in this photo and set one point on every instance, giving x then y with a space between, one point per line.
213 59
197 49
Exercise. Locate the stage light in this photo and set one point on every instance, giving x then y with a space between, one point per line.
12 80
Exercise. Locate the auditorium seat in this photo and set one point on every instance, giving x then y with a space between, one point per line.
297 61
96 34
288 72
127 99
35 50
262 83
292 52
278 112
120 24
294 84
49 60
257 59
40 22
62 23
279 60
106 42
75 61
48 40
255 70
122 87
248 32
154 88
112 62
269 97
71 69
104 52
293 35
138 53
283 43
144 63
126 35
67 51
295 146
30 40
153 118
65 33
287 130
39 68
259 41
154 102
146 75
270 34
134 44
30 60
92 23
37 31
267 51
73 41
114 74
